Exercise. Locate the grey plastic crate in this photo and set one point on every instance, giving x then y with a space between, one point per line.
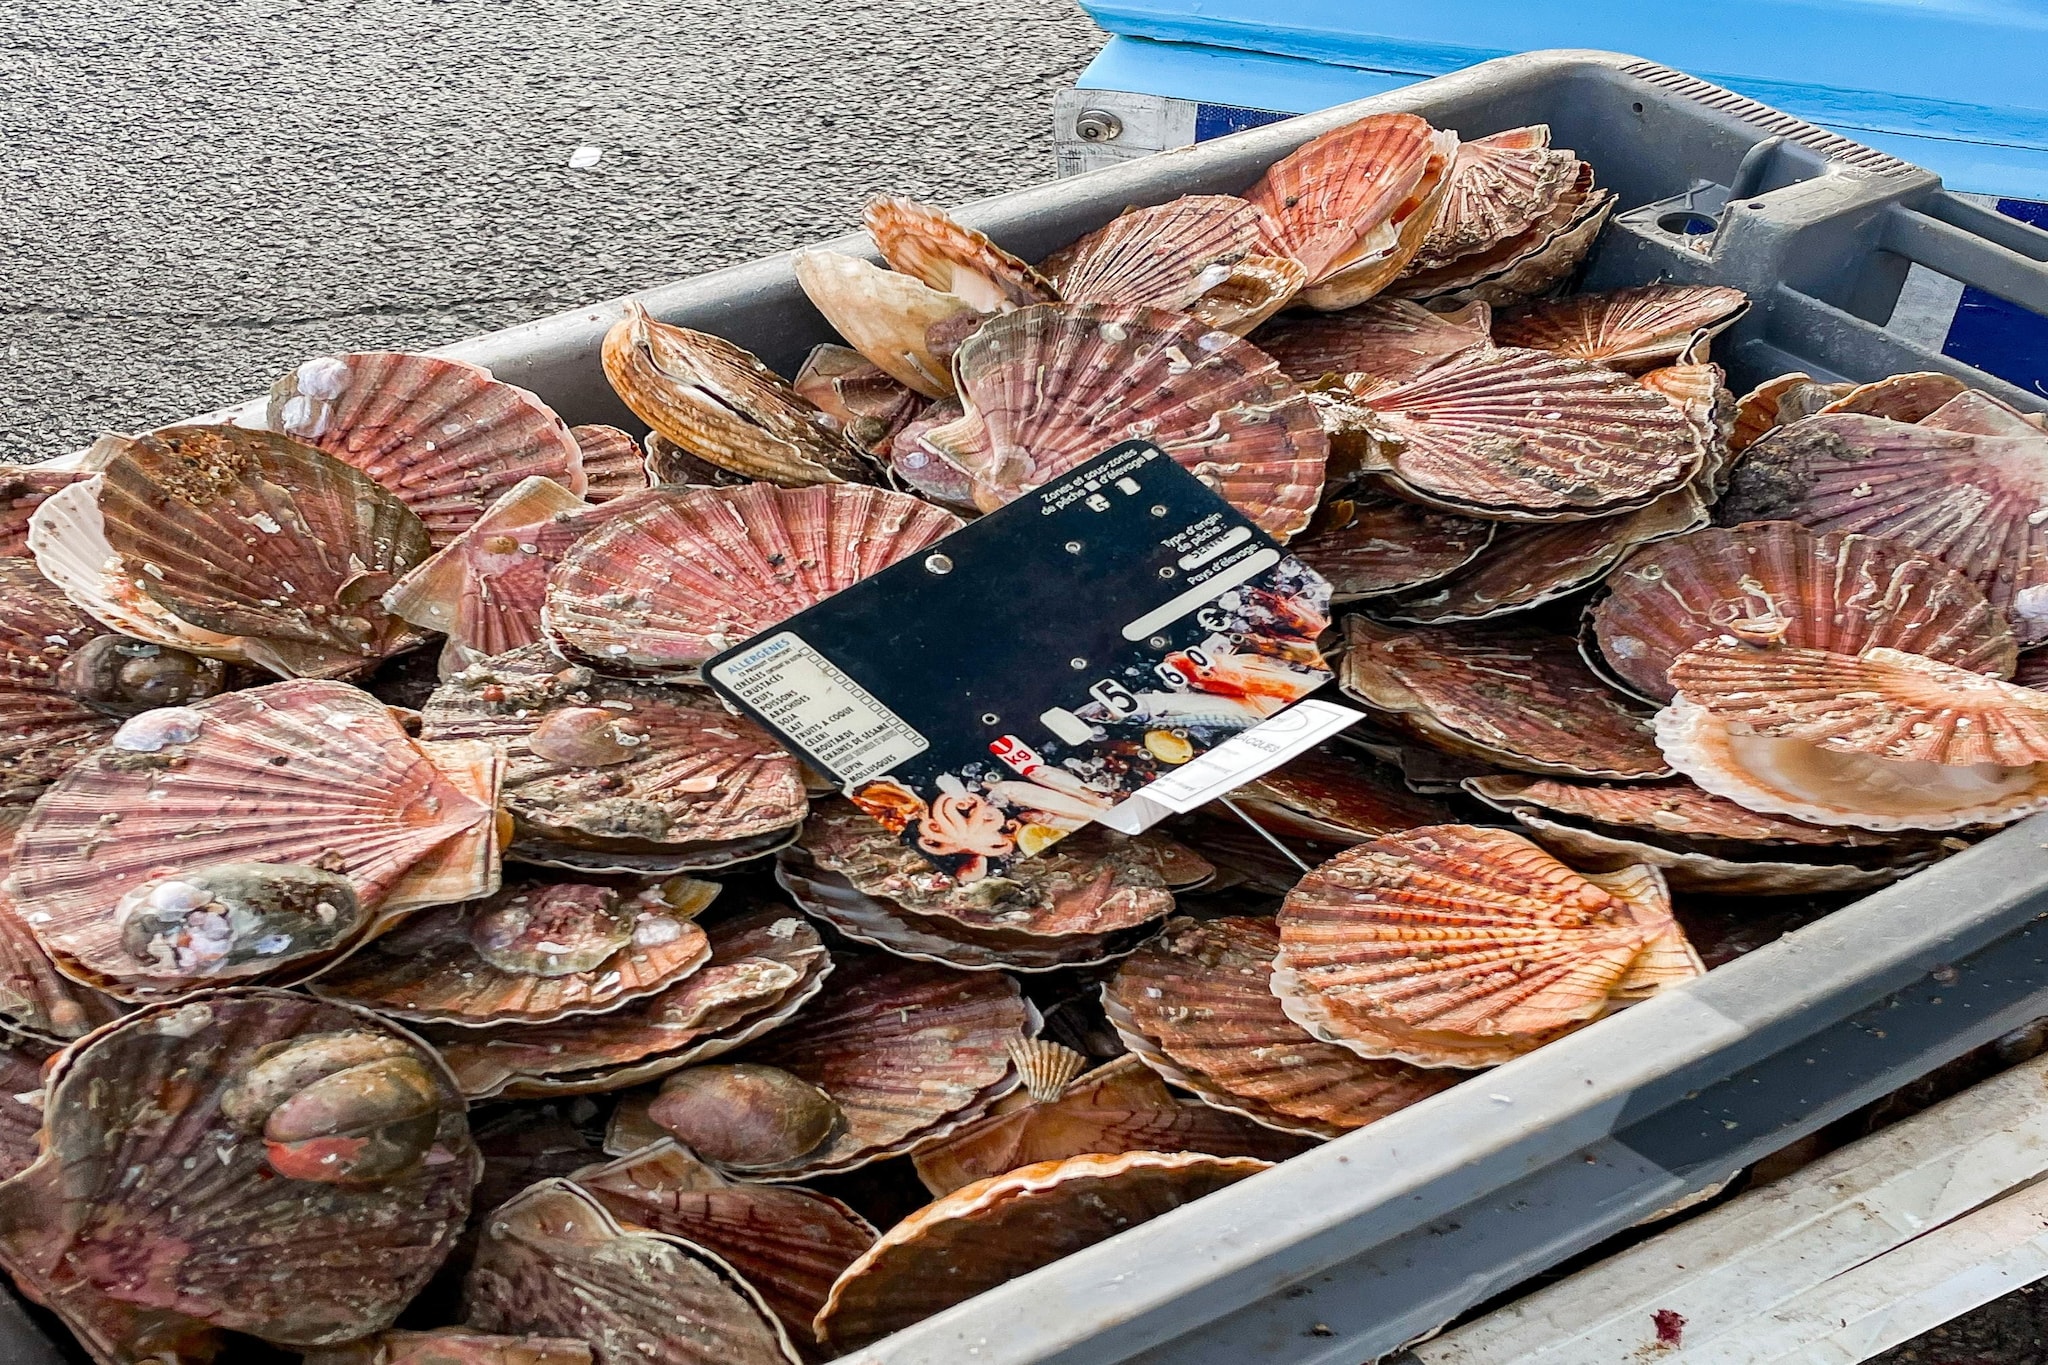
1346 1252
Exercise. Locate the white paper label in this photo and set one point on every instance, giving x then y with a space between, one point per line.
1231 764
832 717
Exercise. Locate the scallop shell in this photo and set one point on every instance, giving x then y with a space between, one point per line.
1776 583
1455 946
296 772
447 965
765 965
1046 1068
670 466
441 435
1977 413
789 1243
1379 544
1763 407
21 1113
1901 397
1392 340
1196 1005
44 728
869 405
922 468
1521 699
1701 393
315 543
23 488
613 463
951 257
554 1261
1351 196
1258 287
157 1191
895 320
2033 669
454 1346
1501 187
612 775
1527 566
995 1230
1518 435
36 999
1385 254
1334 799
1166 256
1049 388
1526 265
704 570
1971 501
1121 1106
1628 329
722 405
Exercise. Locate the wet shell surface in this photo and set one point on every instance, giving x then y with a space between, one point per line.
1525 265
951 257
1392 340
1334 798
1521 699
1501 186
1627 329
1376 544
1520 435
554 1262
722 405
1971 501
45 727
684 576
995 1230
1049 388
1162 257
1363 195
613 463
442 435
314 774
1456 946
896 321
251 1160
1258 287
609 775
1196 1005
1765 406
1776 583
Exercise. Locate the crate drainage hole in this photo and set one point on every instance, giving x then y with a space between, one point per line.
1686 223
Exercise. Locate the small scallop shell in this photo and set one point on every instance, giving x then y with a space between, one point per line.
1629 329
1526 265
1977 413
1501 186
1392 340
1046 1067
1775 583
1334 799
951 257
1050 387
1974 502
23 488
454 1346
895 320
869 405
1352 196
1258 287
1162 257
1523 700
613 464
994 1230
1902 397
1759 411
441 435
1196 1005
722 405
1463 947
553 1261
684 576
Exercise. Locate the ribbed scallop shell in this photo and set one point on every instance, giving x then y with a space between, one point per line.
1701 393
1338 199
893 319
1379 544
613 463
1677 809
688 785
1629 329
1335 799
442 435
994 1230
678 579
1393 340
1973 502
1521 699
1465 947
922 468
1762 408
951 257
765 965
1518 435
1776 583
1196 1005
1258 287
21 1123
789 1243
1901 397
1501 186
1049 388
553 1261
1526 265
870 406
1977 413
23 488
1166 256
251 534
1384 254
44 729
295 772
721 404
454 1346
158 1197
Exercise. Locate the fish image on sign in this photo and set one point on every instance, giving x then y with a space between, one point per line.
1025 675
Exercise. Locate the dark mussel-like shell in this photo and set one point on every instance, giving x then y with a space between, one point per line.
613 463
1375 544
1196 1006
1627 329
1524 700
554 1261
454 1346
1392 340
685 575
994 1230
1397 948
316 774
608 775
765 965
1166 256
1775 583
250 1160
1048 388
922 241
442 435
743 1116
1501 186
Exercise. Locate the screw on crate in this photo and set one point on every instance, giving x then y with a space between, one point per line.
1098 125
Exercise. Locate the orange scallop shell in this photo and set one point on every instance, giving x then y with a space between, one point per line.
951 257
454 1346
1166 256
613 463
1629 329
901 325
442 435
1760 410
1392 340
1377 544
1338 198
1501 187
1529 264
